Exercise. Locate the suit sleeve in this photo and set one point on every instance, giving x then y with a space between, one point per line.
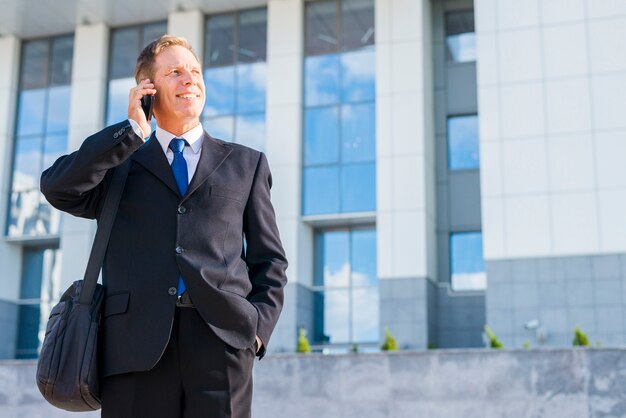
76 183
264 253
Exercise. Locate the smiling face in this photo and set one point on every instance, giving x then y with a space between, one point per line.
180 90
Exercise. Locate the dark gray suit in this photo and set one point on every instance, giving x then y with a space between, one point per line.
158 235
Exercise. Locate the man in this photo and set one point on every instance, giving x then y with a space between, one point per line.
187 304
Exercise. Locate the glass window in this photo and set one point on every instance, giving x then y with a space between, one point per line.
321 80
31 112
346 287
124 51
460 36
40 132
357 23
467 267
220 40
321 136
251 81
35 61
357 76
321 190
235 77
58 113
62 50
252 36
250 130
220 91
38 289
339 114
463 153
321 27
358 187
358 131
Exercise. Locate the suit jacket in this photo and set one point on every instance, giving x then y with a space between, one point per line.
158 234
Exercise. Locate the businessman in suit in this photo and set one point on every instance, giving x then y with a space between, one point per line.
187 304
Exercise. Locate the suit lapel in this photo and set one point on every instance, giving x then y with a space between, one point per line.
151 156
213 155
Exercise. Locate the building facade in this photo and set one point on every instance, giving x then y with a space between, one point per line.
438 165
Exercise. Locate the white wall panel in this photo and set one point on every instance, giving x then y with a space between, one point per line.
574 223
571 162
565 50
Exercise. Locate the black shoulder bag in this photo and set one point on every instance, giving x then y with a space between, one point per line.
67 369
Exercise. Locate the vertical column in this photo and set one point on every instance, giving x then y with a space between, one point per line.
405 168
89 73
10 254
284 139
189 25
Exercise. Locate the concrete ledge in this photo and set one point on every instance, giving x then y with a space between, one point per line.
550 383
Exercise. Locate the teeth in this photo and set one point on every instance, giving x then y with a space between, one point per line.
187 96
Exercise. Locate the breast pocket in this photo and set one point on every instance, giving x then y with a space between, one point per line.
226 193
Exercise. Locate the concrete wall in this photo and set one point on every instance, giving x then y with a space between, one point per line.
482 383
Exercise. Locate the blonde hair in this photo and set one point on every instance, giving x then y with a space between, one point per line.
145 61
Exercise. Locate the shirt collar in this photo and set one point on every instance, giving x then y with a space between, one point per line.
193 138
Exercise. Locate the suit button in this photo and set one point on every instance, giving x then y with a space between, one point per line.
180 250
172 291
115 135
182 209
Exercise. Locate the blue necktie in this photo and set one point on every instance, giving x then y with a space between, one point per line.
179 168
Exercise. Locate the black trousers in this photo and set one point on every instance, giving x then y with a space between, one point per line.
198 376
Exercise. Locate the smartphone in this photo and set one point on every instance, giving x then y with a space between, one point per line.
147 104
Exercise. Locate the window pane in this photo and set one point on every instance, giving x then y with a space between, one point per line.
321 190
365 314
220 44
363 258
358 188
459 22
462 48
48 218
335 308
220 127
321 28
321 135
357 76
463 142
117 105
250 130
152 32
321 80
54 147
58 109
336 256
62 50
220 91
23 212
27 166
252 35
357 133
34 69
251 87
124 51
460 36
30 114
466 261
357 23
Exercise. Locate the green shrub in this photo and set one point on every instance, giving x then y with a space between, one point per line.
494 342
580 338
303 342
390 343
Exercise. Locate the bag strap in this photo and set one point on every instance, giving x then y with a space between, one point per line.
105 224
